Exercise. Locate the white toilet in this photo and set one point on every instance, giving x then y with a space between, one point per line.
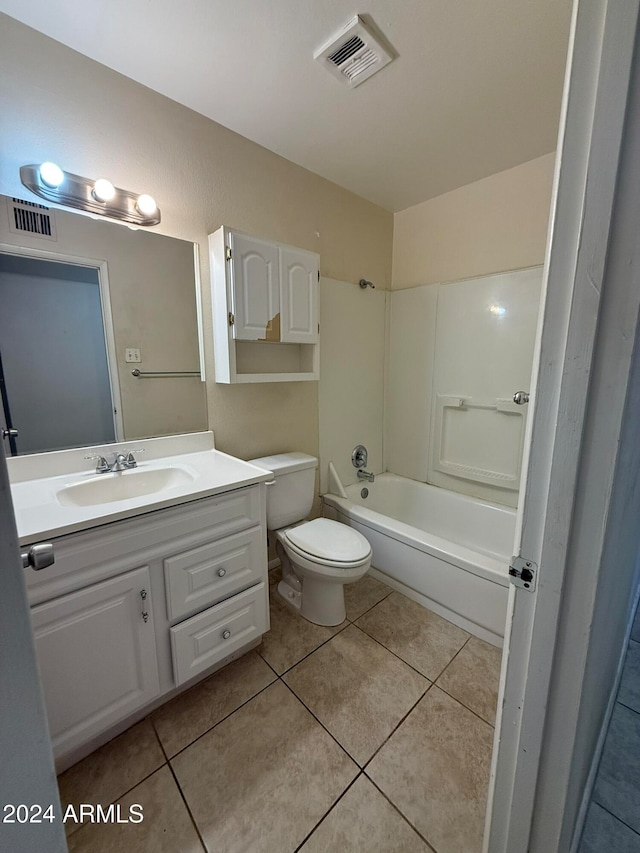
318 557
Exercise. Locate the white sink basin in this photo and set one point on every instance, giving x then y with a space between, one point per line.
122 486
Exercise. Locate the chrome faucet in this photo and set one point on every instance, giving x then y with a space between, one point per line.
366 475
121 462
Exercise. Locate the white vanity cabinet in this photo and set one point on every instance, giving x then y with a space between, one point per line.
265 309
131 611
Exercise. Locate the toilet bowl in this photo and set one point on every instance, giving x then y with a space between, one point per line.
313 573
318 557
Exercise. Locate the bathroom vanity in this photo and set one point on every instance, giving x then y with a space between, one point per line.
148 593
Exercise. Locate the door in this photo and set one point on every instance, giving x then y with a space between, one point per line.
97 656
298 296
28 774
528 805
256 288
54 373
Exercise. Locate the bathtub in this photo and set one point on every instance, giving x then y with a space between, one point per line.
448 551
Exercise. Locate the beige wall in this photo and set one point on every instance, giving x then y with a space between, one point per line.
493 225
61 106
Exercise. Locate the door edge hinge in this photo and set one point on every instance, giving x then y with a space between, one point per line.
227 253
232 318
523 573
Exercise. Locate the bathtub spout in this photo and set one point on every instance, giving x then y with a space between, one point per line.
366 475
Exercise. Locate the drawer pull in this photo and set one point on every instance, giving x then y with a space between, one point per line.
221 573
226 634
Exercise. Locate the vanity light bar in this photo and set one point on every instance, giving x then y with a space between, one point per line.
100 196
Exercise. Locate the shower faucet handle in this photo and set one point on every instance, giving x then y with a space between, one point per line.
359 456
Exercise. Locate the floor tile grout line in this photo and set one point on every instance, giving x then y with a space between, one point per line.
323 643
120 796
400 812
320 723
628 707
369 609
188 807
226 717
396 727
155 731
435 681
330 809
466 707
613 814
395 654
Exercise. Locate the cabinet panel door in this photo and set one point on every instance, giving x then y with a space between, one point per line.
97 656
298 296
256 289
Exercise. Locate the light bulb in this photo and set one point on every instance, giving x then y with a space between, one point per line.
103 190
146 205
51 175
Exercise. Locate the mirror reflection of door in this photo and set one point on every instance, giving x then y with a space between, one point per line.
55 376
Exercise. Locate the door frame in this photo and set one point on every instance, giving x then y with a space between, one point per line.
102 268
592 132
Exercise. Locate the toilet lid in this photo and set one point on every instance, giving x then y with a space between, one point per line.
329 540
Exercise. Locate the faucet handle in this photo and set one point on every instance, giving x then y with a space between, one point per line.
130 459
103 466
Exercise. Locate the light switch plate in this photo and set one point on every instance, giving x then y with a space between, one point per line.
132 356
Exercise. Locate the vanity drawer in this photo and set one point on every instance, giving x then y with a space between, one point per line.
200 642
202 576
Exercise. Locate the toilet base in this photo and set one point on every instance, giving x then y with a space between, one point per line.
322 602
292 597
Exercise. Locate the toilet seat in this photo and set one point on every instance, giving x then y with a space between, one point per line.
328 543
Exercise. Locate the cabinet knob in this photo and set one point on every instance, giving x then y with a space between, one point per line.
38 556
221 573
226 634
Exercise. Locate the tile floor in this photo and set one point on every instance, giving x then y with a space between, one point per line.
373 736
613 818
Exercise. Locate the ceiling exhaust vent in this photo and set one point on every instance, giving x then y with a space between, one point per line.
354 54
27 217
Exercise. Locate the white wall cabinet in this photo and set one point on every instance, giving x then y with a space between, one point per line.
265 309
132 611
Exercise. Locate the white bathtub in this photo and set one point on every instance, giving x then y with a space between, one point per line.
446 550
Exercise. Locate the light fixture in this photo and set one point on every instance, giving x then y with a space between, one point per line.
103 190
51 175
94 196
146 204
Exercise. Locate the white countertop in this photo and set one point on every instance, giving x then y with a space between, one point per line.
40 515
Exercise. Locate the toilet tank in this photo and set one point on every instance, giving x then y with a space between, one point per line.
290 498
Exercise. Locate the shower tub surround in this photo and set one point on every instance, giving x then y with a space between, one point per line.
448 551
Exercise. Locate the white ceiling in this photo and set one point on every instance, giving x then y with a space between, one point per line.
475 89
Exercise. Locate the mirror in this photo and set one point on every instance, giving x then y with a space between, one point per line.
81 300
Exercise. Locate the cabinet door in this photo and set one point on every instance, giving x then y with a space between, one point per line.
298 296
97 656
256 289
